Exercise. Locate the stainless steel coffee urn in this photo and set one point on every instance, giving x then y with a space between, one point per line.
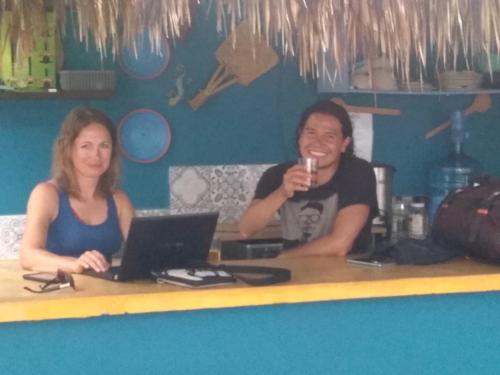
384 174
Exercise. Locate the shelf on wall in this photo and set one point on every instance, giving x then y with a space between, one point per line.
402 92
59 95
333 81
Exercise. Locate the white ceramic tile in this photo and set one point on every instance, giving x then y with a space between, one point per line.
152 212
190 185
11 232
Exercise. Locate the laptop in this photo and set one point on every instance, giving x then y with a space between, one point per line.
155 243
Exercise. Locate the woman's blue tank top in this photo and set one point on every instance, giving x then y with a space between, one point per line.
69 236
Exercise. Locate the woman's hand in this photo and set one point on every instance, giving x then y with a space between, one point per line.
93 259
295 179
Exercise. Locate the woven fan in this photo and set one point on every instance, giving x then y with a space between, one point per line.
242 58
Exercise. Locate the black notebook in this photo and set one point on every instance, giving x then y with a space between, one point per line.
194 277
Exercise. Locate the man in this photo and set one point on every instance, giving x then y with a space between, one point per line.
331 218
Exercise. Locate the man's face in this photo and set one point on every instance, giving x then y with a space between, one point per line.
322 139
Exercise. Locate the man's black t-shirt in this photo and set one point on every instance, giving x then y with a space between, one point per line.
311 214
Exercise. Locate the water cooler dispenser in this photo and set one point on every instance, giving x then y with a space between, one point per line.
455 171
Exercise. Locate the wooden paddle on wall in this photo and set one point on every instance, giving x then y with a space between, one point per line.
481 103
242 57
363 109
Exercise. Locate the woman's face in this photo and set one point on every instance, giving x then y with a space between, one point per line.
322 139
91 151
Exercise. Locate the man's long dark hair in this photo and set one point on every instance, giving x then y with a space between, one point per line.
327 107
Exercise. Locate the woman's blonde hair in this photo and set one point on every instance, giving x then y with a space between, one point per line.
62 163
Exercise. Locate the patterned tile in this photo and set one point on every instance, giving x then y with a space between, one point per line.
224 188
152 212
189 187
11 232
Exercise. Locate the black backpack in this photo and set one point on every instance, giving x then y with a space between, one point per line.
469 219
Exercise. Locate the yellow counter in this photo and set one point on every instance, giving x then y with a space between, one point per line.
313 279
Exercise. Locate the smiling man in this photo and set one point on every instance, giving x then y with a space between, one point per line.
333 217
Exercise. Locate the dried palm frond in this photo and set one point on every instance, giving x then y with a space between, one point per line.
122 23
109 24
25 20
406 32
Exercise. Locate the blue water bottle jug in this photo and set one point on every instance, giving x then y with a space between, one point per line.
457 170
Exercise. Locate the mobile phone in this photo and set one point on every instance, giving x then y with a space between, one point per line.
373 260
43 277
365 262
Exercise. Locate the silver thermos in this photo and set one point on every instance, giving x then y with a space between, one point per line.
384 174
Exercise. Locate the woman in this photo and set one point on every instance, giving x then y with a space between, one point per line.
78 218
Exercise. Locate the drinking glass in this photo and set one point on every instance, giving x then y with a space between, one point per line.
311 166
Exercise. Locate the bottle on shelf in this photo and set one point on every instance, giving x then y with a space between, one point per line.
457 170
400 212
417 221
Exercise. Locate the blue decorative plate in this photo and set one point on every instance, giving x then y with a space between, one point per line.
147 64
144 135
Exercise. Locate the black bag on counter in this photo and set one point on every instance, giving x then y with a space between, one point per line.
469 219
422 252
408 251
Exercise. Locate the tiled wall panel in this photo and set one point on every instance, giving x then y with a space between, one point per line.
11 231
224 188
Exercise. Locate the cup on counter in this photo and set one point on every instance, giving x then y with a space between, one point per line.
215 252
311 166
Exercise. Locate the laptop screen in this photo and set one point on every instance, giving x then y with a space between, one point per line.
159 242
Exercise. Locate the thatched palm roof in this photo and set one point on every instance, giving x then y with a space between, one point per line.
406 32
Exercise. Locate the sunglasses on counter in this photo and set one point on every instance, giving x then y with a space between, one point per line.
59 280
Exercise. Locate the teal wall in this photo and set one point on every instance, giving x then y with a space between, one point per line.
446 334
254 124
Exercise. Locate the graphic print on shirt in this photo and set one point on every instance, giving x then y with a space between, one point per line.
309 217
307 220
